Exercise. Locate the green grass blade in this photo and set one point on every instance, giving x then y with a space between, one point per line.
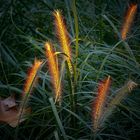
57 118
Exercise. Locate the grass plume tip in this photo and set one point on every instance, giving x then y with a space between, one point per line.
31 77
63 37
99 104
53 69
128 20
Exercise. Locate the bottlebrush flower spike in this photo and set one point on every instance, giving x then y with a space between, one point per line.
116 100
31 77
62 32
128 20
54 70
99 104
63 37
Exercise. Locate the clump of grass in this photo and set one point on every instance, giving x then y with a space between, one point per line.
64 121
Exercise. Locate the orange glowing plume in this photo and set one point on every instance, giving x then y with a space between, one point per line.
31 77
62 32
63 36
128 20
54 70
99 103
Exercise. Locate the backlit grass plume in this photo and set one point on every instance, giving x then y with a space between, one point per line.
128 20
102 111
29 84
63 37
98 106
116 100
54 70
31 77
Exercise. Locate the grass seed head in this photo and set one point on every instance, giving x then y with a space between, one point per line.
99 103
54 70
62 32
31 77
63 37
128 20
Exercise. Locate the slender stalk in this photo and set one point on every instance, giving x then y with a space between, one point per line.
77 38
76 27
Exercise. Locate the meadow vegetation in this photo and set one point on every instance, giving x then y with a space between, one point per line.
69 70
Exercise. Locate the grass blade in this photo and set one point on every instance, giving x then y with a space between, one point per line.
57 118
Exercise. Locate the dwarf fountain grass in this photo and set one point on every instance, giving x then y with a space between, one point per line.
30 83
64 40
103 109
98 57
54 70
99 103
131 12
31 77
63 37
